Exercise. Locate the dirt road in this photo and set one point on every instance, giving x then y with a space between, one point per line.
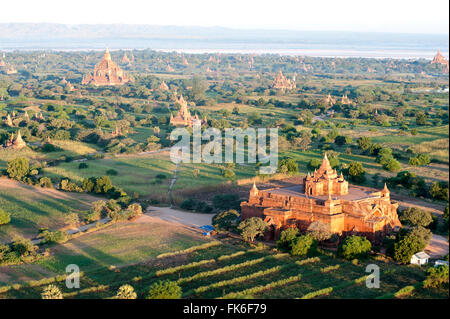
438 246
178 216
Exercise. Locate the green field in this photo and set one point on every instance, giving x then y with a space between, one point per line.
232 270
33 208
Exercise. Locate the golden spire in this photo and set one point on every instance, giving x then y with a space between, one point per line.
107 56
254 190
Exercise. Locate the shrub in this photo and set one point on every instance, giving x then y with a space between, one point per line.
226 220
5 218
436 276
51 292
164 290
23 247
304 245
45 182
18 168
290 164
354 247
422 159
356 172
53 236
83 166
188 204
314 164
226 201
111 172
126 292
228 173
287 238
47 148
202 207
392 165
72 219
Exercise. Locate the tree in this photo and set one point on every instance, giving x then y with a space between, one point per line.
356 172
226 220
126 292
304 245
406 247
252 227
226 201
72 219
164 290
290 163
304 141
287 238
102 185
5 218
18 168
421 118
364 143
354 247
51 292
342 140
392 165
423 234
413 216
436 276
314 164
319 231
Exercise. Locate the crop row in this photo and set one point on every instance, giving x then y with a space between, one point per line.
190 249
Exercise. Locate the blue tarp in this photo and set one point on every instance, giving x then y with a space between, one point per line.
208 228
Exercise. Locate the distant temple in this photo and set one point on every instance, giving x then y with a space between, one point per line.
7 68
440 59
184 117
15 143
106 72
345 99
163 86
9 121
281 82
329 100
125 59
327 197
169 68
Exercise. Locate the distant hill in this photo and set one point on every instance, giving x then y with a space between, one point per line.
94 36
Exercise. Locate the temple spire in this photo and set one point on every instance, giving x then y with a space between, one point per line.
254 191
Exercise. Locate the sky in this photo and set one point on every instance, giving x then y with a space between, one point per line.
399 16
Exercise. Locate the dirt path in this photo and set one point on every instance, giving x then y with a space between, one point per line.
438 246
405 202
172 182
177 216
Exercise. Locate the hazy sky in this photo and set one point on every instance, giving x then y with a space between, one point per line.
410 16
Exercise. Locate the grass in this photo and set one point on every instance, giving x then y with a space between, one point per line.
135 173
206 273
32 208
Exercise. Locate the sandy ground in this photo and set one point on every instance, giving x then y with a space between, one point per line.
178 216
438 246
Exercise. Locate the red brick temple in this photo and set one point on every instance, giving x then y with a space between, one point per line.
327 197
